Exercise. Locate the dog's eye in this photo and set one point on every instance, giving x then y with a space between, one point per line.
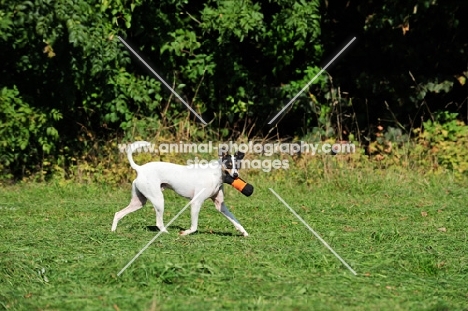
227 163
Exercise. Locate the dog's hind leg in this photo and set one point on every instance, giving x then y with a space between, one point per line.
221 207
151 189
157 199
137 202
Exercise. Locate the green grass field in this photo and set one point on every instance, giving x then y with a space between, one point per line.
404 234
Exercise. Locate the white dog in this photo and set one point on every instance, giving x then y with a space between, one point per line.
187 181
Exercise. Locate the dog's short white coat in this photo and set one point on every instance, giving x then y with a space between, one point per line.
187 181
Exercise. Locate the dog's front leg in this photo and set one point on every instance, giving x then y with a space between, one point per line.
194 212
225 211
221 207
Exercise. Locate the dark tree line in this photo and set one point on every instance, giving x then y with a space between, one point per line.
66 81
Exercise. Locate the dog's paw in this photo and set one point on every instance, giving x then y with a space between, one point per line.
245 233
186 232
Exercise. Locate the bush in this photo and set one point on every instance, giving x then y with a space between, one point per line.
27 135
446 138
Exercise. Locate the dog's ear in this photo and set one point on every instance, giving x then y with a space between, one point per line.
223 153
239 155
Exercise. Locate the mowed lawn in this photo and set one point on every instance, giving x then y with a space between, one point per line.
405 235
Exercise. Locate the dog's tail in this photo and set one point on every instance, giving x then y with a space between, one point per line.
132 148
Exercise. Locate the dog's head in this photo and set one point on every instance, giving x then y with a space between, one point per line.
231 163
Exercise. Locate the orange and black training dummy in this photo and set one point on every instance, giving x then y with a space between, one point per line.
245 188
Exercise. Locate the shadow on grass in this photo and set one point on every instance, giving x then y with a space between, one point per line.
178 228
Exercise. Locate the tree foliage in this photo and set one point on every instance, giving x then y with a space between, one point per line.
67 82
409 62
